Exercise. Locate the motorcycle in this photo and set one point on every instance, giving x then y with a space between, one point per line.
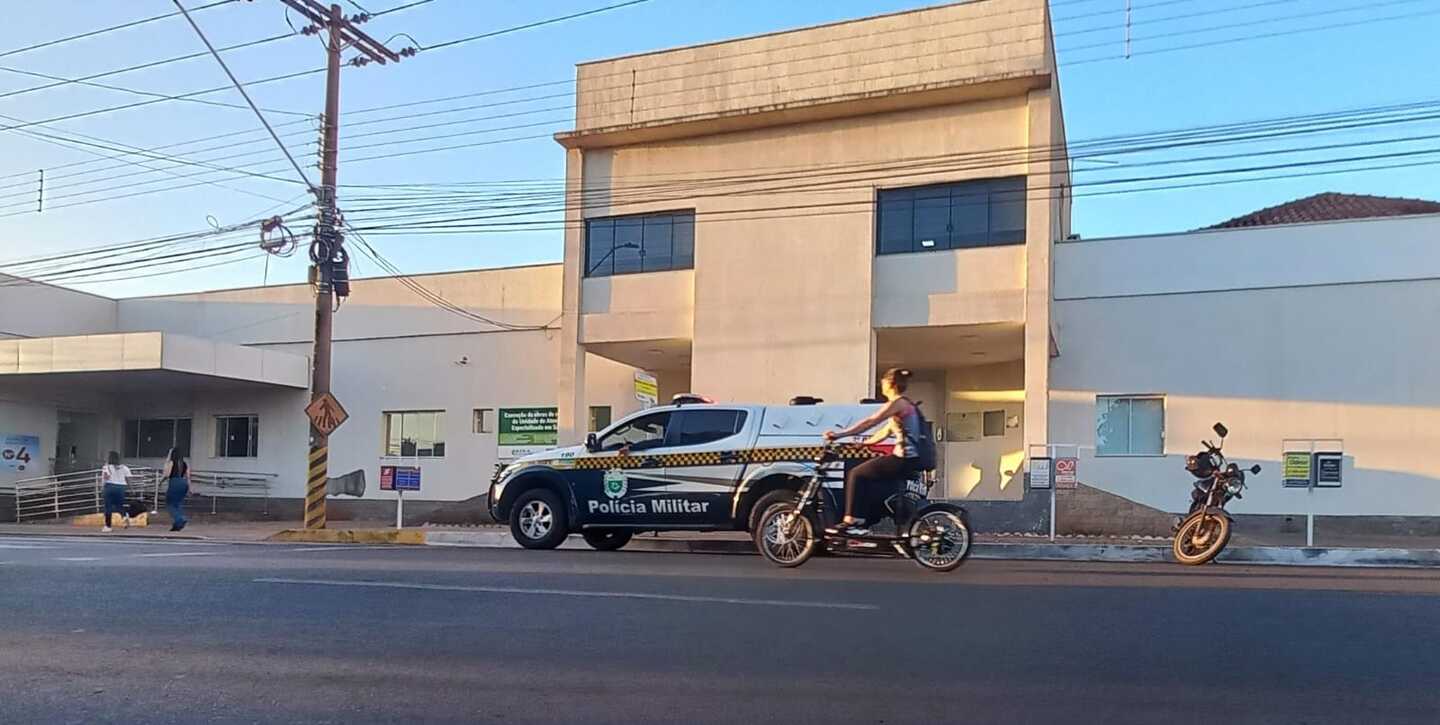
934 535
1205 530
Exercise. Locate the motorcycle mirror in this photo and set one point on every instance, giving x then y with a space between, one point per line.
1255 469
1221 430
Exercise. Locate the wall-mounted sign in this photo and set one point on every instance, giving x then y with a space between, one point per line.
1066 472
1297 469
1328 468
1040 473
647 388
523 431
17 452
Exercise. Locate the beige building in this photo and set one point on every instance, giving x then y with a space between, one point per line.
788 214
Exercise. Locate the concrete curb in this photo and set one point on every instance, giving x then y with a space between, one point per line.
352 536
1101 553
131 534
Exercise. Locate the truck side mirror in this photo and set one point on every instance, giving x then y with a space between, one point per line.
592 443
1221 430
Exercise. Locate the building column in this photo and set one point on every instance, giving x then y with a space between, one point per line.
1041 228
572 410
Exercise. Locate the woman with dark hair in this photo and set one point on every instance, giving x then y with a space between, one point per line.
177 473
902 421
116 476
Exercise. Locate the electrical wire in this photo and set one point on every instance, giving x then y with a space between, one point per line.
111 29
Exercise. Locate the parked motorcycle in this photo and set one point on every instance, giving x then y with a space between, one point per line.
1205 530
934 535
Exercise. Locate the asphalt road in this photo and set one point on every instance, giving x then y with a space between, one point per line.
127 631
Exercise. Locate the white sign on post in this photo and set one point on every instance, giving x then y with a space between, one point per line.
1040 473
647 388
1065 472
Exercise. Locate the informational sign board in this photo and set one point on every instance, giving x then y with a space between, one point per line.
523 431
18 451
1040 473
1328 468
399 478
1297 469
326 414
1066 473
647 388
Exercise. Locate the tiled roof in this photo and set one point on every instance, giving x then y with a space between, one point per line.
1331 206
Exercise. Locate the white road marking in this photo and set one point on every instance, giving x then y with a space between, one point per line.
570 593
76 558
24 546
179 553
342 547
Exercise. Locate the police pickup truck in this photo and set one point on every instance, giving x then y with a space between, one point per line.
690 466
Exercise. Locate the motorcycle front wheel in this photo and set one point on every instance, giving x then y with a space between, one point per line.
785 536
1201 538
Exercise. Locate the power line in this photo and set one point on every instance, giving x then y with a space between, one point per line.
536 24
111 29
241 88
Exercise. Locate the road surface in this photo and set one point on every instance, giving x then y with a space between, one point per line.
132 631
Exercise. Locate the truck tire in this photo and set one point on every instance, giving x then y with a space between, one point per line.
538 520
606 539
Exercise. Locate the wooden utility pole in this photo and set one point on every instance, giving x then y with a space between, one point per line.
330 272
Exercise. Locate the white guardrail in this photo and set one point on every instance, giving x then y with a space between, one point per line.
80 492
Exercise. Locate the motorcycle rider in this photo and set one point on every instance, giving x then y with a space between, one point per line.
901 420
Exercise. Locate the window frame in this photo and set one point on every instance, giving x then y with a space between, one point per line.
482 421
438 428
609 418
223 419
673 431
638 223
134 453
1164 415
628 422
909 197
984 431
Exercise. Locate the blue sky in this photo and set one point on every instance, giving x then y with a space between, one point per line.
1355 64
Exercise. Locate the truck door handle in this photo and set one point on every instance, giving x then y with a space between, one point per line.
729 457
649 462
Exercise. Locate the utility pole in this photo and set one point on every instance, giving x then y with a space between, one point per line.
329 271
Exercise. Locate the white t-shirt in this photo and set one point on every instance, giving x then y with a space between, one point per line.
116 474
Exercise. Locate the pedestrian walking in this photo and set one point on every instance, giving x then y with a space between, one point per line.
116 477
177 474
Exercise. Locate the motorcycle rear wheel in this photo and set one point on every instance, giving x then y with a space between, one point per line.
785 536
940 539
1201 538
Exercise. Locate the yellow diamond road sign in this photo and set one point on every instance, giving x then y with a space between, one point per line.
326 413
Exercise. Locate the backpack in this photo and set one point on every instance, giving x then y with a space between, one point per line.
924 440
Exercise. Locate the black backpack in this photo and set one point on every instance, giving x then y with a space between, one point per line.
924 441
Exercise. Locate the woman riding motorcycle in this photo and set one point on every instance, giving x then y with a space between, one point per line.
902 421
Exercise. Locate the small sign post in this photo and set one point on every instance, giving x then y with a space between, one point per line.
1312 463
647 389
399 479
1065 473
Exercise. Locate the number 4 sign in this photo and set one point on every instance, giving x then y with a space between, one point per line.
16 451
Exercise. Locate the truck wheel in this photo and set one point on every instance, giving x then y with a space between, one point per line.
538 520
606 539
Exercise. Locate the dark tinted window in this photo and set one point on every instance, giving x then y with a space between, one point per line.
153 438
645 432
639 243
694 427
983 213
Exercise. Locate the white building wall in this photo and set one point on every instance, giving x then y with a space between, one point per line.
1306 331
33 309
393 352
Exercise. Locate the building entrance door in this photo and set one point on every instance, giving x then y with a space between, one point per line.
76 442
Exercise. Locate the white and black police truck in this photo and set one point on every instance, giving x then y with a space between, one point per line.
693 465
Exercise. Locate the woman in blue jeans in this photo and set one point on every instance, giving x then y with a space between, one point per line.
177 474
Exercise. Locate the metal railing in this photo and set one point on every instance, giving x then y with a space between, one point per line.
81 492
74 493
